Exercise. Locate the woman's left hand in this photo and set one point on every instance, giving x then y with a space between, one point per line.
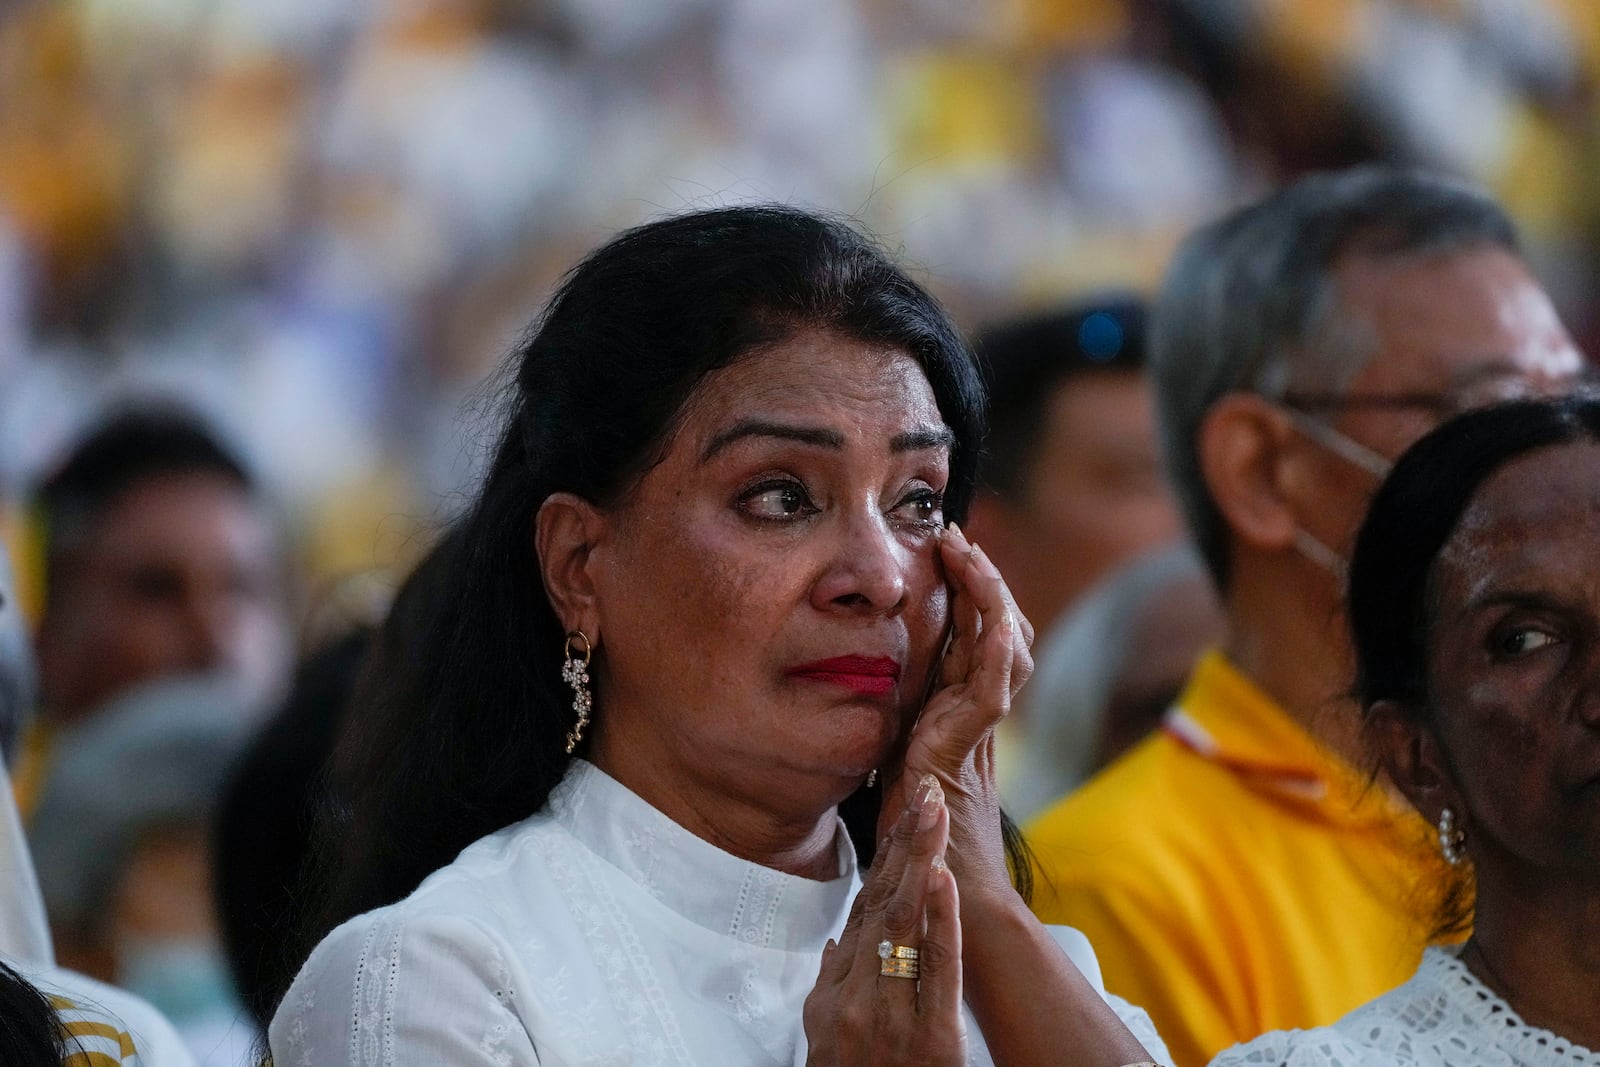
857 1014
987 660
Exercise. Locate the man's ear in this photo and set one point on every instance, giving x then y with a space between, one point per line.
1243 459
1409 753
565 533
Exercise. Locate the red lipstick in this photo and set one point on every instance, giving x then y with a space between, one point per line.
868 675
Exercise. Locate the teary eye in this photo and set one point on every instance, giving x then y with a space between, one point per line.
922 505
777 500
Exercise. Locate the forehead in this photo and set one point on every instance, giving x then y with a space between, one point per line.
1442 319
180 512
811 378
1537 516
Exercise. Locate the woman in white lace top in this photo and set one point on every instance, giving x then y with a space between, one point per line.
1475 606
704 603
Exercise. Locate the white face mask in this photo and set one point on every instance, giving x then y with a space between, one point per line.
186 979
1346 448
1352 452
1323 556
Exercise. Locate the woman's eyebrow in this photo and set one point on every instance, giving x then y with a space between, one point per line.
925 437
1510 598
807 435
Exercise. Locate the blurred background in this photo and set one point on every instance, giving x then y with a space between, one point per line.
320 223
323 222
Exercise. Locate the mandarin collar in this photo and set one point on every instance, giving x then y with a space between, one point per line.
714 889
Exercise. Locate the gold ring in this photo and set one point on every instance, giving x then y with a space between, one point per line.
893 968
899 961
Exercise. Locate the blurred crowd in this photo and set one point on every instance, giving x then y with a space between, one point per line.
325 222
319 226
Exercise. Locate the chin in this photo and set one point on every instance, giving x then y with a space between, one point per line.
862 745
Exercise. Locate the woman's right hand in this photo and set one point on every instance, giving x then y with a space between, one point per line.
987 660
856 1015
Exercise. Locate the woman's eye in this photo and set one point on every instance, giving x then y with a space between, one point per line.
1517 642
777 500
923 505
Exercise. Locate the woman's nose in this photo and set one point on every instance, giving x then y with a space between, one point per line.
867 571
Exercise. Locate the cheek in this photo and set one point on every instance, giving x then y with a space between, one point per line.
927 614
1504 760
700 599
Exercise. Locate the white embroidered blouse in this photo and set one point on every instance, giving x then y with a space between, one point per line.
596 932
1443 1017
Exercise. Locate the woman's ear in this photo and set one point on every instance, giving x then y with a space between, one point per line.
565 533
1410 755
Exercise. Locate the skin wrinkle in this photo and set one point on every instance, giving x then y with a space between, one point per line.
857 576
1518 558
1438 320
1442 322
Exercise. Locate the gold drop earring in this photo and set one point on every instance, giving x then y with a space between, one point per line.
575 672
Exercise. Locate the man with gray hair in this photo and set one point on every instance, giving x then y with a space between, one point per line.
1237 872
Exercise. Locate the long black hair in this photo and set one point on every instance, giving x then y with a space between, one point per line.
595 389
31 1034
1415 511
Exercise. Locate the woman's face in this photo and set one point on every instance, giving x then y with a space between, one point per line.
1514 662
769 599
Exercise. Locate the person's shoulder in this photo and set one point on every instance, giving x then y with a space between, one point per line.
496 875
93 1035
94 1004
383 970
1155 834
489 886
1138 789
1338 1045
1272 1049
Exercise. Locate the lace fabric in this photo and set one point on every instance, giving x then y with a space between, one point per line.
1443 1017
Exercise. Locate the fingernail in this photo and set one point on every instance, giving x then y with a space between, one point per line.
937 867
830 946
929 799
955 528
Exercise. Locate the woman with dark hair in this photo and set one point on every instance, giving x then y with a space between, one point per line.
1475 607
705 597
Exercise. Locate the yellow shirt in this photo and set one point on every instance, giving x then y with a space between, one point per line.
1233 876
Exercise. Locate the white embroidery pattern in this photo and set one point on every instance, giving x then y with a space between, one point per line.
303 1005
635 990
492 1044
372 999
1442 1017
574 1025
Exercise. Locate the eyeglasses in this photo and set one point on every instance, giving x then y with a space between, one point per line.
1346 448
1496 389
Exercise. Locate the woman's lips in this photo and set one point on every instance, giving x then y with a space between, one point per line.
869 675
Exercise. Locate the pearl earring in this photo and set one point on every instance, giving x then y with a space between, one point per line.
1452 839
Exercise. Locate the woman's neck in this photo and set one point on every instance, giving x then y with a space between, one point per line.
790 830
1538 947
